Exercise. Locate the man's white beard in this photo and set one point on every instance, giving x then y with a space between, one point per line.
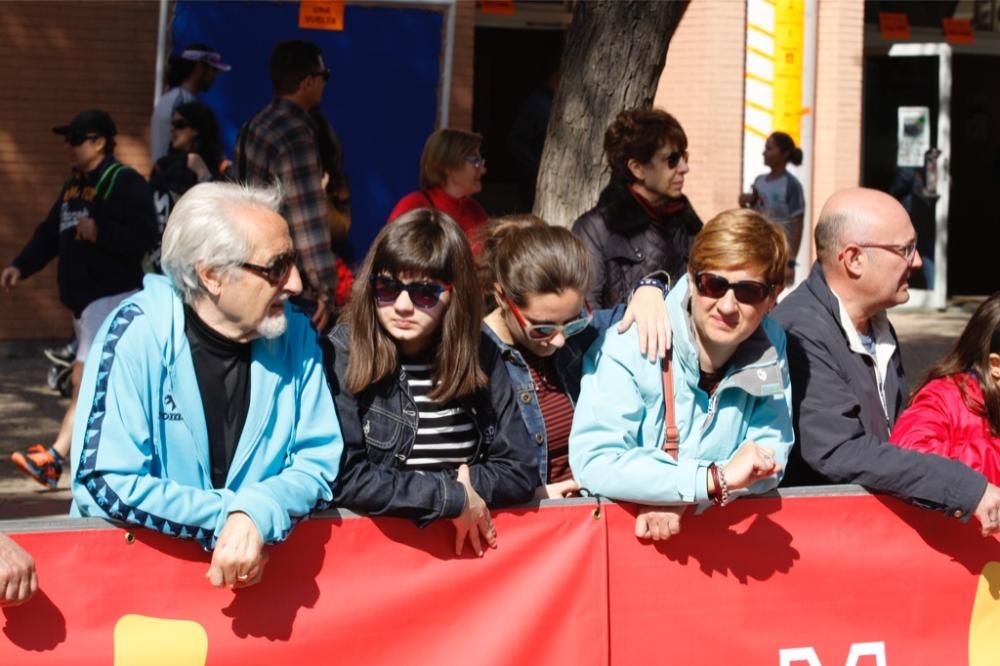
273 327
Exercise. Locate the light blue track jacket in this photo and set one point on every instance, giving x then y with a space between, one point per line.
140 443
615 447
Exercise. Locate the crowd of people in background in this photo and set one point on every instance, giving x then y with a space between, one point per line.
233 376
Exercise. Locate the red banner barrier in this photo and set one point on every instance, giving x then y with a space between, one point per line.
790 581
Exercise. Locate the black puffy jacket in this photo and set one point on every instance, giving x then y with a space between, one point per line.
627 244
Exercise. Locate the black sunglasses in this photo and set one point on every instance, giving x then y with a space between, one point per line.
324 73
277 272
749 292
77 138
674 158
180 124
424 295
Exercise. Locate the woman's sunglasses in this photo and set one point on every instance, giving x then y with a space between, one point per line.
180 124
547 331
749 292
424 295
674 158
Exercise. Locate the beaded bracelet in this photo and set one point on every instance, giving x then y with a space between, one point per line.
724 493
651 282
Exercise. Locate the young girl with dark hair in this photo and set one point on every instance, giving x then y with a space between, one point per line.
955 412
539 276
779 195
427 411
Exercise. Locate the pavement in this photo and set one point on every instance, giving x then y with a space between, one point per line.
30 412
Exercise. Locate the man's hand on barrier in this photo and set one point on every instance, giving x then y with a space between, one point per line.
239 557
18 580
658 523
474 520
751 463
558 490
988 511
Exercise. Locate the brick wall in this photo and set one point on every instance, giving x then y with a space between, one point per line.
839 62
702 86
57 58
463 66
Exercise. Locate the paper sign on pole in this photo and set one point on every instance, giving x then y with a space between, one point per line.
958 31
894 25
321 15
913 135
504 7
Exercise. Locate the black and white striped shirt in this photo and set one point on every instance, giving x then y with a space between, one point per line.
446 433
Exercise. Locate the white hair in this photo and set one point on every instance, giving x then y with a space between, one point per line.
204 229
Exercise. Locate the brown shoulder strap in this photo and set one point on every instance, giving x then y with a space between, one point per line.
672 439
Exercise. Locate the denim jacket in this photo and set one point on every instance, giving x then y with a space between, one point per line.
568 363
379 426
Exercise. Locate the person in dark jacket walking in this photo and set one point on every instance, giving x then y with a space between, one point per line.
642 222
100 227
848 384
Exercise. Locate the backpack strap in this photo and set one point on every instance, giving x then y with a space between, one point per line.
672 438
108 180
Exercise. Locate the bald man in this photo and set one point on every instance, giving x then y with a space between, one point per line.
848 386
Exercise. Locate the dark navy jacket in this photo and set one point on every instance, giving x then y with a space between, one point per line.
380 424
841 429
121 203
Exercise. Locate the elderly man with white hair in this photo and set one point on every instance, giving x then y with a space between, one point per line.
204 411
848 385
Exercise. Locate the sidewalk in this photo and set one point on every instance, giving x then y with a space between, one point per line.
30 412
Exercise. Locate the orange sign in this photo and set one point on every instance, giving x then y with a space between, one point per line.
958 31
321 15
894 25
505 7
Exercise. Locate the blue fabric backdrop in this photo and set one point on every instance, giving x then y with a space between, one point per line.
381 98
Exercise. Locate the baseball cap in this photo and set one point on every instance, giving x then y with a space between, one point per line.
91 121
210 58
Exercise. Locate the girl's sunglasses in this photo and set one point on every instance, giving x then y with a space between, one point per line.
749 292
547 331
424 295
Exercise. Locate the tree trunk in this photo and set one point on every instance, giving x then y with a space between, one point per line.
614 54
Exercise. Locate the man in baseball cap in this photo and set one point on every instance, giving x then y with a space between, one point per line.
190 73
100 227
93 122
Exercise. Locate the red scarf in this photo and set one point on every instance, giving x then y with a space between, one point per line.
658 212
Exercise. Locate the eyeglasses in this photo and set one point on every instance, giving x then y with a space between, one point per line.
749 292
323 73
424 295
907 252
547 331
674 158
180 124
77 138
275 273
476 161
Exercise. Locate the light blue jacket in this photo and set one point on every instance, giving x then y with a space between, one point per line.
140 443
615 447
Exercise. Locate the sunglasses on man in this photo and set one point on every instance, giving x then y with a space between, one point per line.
78 138
748 292
277 271
424 295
